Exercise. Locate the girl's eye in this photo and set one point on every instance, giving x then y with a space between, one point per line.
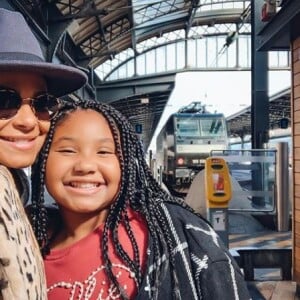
66 151
105 152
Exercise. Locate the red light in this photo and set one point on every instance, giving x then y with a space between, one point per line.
180 161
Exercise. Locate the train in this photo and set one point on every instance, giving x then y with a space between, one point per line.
185 141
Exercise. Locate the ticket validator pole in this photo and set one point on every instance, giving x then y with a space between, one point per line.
218 194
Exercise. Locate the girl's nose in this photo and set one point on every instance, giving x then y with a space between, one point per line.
85 165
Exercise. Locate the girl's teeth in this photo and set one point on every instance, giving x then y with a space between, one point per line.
84 185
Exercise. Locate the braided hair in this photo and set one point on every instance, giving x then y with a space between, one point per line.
138 190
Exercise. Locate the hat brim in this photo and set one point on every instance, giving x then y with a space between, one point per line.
61 79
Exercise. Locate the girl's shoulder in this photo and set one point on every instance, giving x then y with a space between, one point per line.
181 212
193 230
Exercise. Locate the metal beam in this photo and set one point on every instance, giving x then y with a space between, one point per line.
112 91
191 14
259 83
275 35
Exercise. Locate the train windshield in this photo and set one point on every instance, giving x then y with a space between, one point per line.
201 126
188 127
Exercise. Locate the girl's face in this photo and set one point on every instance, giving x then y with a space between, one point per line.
22 135
83 171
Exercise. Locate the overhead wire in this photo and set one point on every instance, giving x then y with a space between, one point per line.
233 35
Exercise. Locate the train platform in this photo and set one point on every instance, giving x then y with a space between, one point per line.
265 257
273 290
263 253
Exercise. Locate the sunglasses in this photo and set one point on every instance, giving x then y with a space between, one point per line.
44 106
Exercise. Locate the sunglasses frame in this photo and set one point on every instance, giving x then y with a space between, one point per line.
30 101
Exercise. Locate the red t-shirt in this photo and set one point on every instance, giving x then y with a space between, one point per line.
77 272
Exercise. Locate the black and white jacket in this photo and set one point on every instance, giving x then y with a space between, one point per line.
205 268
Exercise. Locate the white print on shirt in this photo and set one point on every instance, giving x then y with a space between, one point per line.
87 289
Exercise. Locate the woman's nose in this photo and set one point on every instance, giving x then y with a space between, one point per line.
25 117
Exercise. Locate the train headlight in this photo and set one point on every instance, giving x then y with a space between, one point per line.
180 161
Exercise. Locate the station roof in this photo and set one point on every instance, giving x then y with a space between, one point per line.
144 112
98 30
275 35
103 28
239 124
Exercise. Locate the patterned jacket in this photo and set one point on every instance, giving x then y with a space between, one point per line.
205 268
21 266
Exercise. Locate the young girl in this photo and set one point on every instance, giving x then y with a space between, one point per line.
119 235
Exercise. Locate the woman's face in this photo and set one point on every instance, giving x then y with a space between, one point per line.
83 171
22 135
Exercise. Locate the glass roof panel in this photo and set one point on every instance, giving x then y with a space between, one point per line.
145 10
155 19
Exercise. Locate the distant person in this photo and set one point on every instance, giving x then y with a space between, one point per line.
117 234
28 90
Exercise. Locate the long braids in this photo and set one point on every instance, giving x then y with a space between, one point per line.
138 190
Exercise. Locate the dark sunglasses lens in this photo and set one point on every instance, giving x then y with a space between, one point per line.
9 104
45 106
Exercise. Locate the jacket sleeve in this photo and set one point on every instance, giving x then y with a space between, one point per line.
216 273
222 280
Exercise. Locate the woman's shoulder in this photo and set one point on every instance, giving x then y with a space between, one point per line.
4 173
16 180
7 183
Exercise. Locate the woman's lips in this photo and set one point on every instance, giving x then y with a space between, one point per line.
20 143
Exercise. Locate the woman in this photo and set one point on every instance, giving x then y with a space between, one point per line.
29 88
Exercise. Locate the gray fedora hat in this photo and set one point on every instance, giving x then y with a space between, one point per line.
20 51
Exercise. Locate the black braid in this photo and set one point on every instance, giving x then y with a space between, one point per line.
138 190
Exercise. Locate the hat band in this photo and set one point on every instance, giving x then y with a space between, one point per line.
11 56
